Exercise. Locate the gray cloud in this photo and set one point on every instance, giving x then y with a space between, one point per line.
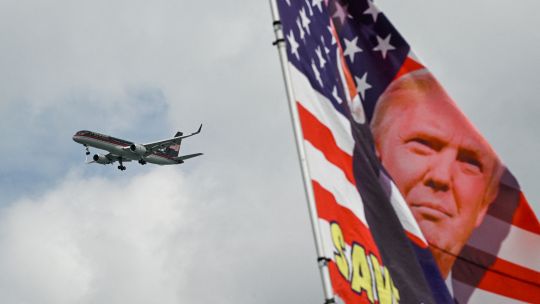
160 236
230 226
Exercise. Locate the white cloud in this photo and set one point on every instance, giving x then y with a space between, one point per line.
95 240
158 237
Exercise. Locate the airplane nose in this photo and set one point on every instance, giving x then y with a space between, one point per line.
75 138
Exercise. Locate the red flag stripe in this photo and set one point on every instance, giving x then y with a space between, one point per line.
495 280
415 239
320 107
321 138
507 238
342 287
334 180
353 228
524 217
409 65
509 269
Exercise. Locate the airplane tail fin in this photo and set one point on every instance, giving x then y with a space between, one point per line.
174 149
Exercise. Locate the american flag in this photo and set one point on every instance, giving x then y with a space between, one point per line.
342 56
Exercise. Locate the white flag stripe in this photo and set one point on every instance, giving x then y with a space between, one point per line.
326 235
482 296
322 108
334 180
511 248
403 211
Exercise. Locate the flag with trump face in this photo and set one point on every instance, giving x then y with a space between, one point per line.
413 205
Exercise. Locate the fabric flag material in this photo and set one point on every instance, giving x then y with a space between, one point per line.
407 191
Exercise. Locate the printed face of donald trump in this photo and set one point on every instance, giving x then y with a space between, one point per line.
444 169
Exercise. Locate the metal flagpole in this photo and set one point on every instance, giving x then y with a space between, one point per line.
322 260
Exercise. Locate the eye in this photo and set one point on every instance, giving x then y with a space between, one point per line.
421 145
471 164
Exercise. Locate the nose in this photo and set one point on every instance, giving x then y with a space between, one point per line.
75 138
439 175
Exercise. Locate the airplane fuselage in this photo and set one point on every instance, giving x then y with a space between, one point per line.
121 148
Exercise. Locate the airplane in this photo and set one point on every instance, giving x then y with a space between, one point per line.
163 152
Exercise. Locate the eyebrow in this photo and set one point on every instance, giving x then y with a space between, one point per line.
470 151
435 141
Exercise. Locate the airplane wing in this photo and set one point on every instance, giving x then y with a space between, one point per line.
108 158
181 159
151 147
114 157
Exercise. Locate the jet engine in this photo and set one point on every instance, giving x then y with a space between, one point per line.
137 148
101 159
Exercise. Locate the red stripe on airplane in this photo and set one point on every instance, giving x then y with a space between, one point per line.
107 140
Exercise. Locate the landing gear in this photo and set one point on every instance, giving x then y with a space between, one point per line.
87 153
121 167
142 162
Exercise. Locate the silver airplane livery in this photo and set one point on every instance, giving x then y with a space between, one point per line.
163 152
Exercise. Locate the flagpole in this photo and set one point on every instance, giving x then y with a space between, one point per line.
321 259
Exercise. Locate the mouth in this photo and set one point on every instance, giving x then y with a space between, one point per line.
431 211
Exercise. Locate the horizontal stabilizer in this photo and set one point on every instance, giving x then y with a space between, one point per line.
181 159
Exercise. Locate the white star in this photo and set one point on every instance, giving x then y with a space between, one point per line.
309 8
384 45
326 50
293 44
322 62
305 20
351 48
372 10
341 12
362 85
317 3
288 2
316 72
331 34
300 28
336 95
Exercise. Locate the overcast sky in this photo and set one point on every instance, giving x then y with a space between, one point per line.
230 226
